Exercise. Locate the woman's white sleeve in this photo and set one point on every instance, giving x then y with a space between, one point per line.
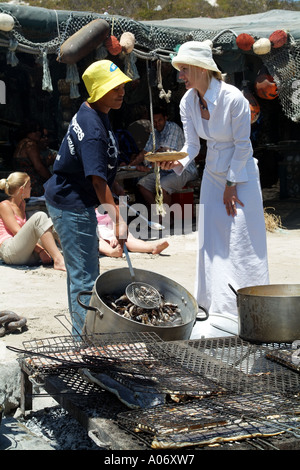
241 128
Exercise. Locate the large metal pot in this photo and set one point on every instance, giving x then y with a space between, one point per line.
102 319
269 314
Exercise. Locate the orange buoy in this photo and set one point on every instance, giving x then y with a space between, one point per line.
253 103
265 87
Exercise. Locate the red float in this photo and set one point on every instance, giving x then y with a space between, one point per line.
113 46
245 41
278 38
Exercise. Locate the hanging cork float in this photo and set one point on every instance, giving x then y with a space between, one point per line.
83 42
7 22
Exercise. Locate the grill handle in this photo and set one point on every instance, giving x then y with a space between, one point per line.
88 307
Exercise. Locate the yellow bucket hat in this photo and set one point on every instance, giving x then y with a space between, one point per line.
101 77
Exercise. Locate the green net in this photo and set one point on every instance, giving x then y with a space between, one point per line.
156 43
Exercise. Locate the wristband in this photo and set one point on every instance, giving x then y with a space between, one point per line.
229 183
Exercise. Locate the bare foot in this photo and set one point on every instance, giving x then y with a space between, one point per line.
113 252
59 264
159 247
116 252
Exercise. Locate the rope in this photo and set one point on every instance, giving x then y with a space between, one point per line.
11 57
72 77
160 210
130 68
57 24
47 82
151 106
162 93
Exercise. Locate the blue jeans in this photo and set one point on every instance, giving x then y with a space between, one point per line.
77 233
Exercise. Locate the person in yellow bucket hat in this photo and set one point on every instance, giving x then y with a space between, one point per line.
83 175
101 77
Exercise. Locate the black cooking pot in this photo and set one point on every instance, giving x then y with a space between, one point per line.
102 319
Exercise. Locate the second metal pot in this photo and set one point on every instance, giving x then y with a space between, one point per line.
269 313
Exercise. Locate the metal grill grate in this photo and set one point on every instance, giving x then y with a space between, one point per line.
217 390
218 364
264 398
139 361
237 365
44 355
213 420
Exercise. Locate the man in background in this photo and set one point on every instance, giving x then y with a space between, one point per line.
168 137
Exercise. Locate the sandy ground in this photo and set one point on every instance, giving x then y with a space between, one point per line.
39 293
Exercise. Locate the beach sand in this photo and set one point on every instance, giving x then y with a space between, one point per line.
39 293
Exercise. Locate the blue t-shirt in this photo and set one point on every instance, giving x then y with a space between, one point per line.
88 148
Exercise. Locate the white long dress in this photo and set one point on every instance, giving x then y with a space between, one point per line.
231 250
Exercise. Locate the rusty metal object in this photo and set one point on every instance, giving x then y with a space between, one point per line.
10 321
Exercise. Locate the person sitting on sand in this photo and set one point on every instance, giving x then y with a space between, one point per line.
109 246
22 241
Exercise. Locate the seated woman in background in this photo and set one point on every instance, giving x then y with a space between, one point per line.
25 241
28 159
109 246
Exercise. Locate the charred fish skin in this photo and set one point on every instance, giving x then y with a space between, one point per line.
131 398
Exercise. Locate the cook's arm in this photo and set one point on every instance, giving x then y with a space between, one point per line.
105 197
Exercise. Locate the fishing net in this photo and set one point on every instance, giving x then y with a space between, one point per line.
158 43
284 66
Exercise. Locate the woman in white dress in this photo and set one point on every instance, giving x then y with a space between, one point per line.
232 232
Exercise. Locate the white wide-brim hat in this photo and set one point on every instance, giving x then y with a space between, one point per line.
195 53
